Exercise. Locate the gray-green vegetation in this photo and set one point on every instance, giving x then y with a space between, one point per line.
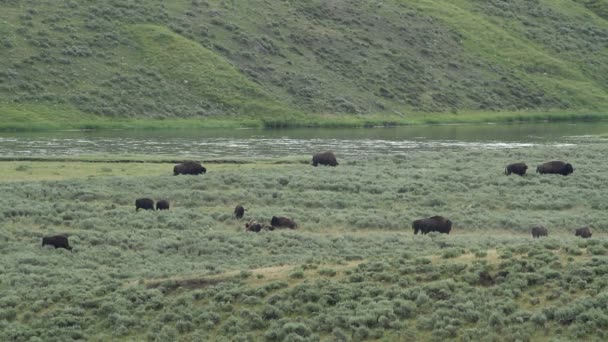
281 63
353 270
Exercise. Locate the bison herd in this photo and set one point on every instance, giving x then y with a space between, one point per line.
553 167
426 225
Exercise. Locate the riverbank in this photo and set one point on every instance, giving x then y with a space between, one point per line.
43 118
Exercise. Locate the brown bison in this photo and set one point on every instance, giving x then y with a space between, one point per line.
162 205
280 221
555 167
57 241
539 231
325 158
239 211
253 226
516 168
189 168
144 203
584 232
432 224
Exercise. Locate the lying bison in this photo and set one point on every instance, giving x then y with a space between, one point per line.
253 226
144 203
325 158
539 231
189 168
239 211
57 241
432 224
162 205
555 167
280 222
584 232
516 168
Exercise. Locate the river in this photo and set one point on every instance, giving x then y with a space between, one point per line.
286 142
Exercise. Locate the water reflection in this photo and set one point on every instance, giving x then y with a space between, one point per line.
255 143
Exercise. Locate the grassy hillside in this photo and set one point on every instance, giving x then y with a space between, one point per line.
290 61
352 271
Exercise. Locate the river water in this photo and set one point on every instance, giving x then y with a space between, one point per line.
285 142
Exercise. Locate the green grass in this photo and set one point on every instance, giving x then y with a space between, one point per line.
353 270
84 64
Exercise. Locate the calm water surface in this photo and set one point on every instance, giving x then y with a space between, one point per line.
264 143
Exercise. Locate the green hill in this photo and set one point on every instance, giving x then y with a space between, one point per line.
280 61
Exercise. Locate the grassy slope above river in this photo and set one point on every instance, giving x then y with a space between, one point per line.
75 64
353 270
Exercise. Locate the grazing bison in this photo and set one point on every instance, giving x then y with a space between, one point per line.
325 158
280 221
253 226
432 224
189 168
239 211
162 205
57 241
516 168
539 231
144 203
584 232
556 167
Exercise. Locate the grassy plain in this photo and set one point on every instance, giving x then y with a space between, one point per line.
352 271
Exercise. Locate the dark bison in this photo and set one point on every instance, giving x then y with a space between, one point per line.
556 167
253 226
57 241
325 158
162 205
516 168
584 232
189 168
144 203
539 231
280 221
432 224
239 211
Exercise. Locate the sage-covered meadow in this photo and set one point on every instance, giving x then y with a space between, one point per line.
352 271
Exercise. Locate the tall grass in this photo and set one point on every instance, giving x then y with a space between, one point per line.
353 270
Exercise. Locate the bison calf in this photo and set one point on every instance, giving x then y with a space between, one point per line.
144 203
280 221
432 224
555 167
325 158
539 231
253 226
239 211
516 168
189 168
162 205
584 232
57 241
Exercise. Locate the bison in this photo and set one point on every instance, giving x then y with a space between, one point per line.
516 168
539 231
57 241
280 221
253 226
144 203
555 167
162 205
325 158
432 224
239 211
189 168
584 232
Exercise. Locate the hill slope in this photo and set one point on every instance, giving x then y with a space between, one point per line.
279 58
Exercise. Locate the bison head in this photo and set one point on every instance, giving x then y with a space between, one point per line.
568 169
